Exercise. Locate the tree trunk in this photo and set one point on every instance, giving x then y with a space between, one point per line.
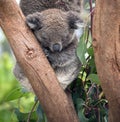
106 43
35 65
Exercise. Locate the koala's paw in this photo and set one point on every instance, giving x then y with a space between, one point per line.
18 72
46 51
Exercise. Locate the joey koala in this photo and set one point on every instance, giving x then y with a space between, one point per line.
55 31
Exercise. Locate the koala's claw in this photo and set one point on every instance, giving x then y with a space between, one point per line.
46 52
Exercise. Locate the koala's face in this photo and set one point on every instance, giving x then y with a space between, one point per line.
54 28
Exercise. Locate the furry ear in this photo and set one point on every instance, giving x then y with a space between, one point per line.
74 20
34 21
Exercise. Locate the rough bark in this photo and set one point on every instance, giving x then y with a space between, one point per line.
106 43
35 65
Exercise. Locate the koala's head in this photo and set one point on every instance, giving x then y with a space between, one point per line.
54 28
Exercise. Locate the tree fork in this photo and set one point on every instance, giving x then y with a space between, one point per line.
28 53
106 43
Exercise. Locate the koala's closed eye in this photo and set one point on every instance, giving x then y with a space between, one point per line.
44 38
65 38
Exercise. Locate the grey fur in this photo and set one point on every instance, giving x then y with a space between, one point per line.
54 26
32 6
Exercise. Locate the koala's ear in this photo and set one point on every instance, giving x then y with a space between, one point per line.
34 21
74 20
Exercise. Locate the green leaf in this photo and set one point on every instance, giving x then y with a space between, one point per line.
90 51
80 109
15 94
8 116
41 114
22 117
94 78
81 51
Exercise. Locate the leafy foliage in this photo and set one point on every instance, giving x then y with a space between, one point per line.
88 97
14 103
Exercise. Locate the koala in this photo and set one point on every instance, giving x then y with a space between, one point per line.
55 31
32 6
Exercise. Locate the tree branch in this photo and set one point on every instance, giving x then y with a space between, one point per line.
106 42
35 65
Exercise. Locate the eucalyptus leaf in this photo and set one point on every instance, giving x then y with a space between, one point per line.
94 78
41 114
15 94
22 117
81 51
80 109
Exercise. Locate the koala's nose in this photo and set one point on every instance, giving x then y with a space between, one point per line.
56 47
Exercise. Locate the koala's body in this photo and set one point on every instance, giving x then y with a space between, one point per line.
55 31
32 6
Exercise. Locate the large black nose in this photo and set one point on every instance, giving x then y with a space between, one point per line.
56 47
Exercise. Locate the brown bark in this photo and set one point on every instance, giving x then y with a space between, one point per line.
106 43
35 65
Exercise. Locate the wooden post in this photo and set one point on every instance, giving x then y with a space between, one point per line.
35 65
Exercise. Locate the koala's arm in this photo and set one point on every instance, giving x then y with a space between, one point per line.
20 76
